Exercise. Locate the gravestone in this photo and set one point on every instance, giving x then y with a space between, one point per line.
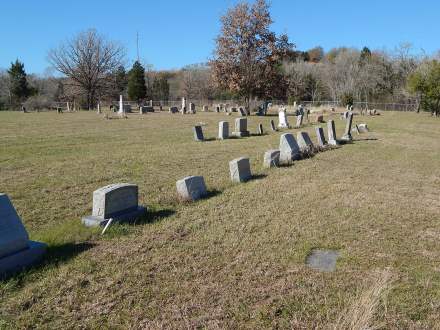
242 111
272 125
271 158
240 169
191 188
304 142
145 109
355 129
260 129
121 105
205 108
117 201
151 103
241 128
17 252
217 109
289 149
198 133
127 108
192 108
173 110
331 133
319 119
323 260
347 133
282 119
363 128
306 115
320 137
299 121
223 130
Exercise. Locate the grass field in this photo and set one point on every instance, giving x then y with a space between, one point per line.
236 259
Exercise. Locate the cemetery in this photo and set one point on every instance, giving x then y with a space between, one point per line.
288 196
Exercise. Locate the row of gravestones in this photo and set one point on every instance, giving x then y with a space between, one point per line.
119 202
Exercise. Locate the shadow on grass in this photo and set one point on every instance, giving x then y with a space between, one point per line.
257 177
155 216
64 252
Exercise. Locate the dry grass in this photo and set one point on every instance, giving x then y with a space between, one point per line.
236 259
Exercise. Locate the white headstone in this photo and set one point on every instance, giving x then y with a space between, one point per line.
121 105
282 119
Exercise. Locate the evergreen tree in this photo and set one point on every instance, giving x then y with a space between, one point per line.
120 80
18 83
161 88
365 55
136 83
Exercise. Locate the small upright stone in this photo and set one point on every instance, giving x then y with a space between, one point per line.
320 137
173 110
198 133
347 134
271 158
241 128
191 188
242 111
205 108
116 201
217 109
299 121
331 133
355 129
363 128
272 125
260 129
223 130
304 142
240 169
192 108
289 149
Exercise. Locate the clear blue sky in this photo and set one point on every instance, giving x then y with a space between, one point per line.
176 33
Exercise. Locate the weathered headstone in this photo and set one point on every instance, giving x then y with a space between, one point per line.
271 158
319 118
356 129
145 109
289 149
272 125
241 127
282 119
127 107
173 110
198 133
121 105
217 109
192 108
363 128
205 108
260 129
323 260
331 133
242 111
304 142
320 136
116 201
191 188
240 169
347 134
299 121
223 130
17 252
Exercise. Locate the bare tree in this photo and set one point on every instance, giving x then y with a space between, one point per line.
88 60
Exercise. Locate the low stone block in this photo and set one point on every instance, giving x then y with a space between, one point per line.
191 188
272 125
240 169
241 128
363 128
145 109
260 129
271 158
116 201
198 133
332 133
173 109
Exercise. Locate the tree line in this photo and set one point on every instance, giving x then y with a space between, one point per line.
250 62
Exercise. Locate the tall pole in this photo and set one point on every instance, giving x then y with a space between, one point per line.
137 45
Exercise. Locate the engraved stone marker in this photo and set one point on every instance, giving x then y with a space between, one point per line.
289 149
117 201
260 129
304 142
240 169
198 133
332 133
16 250
272 125
282 119
320 136
271 158
191 188
223 130
241 128
347 134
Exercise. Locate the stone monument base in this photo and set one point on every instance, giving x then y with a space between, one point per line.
20 260
241 134
93 221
